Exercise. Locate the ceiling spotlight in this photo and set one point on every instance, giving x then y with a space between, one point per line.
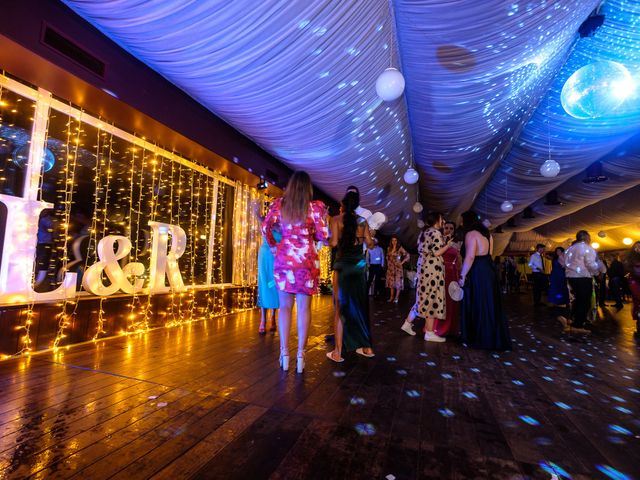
602 234
627 241
595 245
263 185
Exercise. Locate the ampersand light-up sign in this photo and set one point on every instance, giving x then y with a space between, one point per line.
108 263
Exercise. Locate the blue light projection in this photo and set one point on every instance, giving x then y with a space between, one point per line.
612 473
553 469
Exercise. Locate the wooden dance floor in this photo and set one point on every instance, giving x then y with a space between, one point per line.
208 401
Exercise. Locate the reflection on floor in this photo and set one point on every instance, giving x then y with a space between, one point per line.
208 401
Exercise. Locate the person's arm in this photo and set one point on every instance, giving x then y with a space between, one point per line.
368 239
335 231
319 216
268 224
470 255
439 240
404 256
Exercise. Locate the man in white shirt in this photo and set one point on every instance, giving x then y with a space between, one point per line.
581 264
375 262
536 263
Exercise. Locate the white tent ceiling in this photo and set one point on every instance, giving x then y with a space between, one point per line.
481 106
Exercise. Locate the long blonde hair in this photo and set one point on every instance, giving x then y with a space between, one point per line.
295 202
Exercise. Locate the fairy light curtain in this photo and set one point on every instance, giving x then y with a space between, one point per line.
247 235
296 77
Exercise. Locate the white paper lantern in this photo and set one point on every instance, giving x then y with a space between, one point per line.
550 168
417 207
390 84
411 176
602 234
420 224
487 223
506 206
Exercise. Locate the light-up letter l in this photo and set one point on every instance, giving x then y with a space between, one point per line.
21 225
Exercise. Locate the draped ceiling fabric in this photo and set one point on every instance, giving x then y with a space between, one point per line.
297 77
483 94
575 143
475 70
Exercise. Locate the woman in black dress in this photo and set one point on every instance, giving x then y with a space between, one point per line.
483 324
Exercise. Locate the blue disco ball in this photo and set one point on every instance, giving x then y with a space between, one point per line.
21 156
596 90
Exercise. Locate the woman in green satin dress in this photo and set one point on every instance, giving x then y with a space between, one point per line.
349 233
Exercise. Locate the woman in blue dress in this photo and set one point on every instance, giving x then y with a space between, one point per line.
268 300
558 291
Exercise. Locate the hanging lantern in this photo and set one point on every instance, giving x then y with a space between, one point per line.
411 176
506 206
420 224
417 207
602 234
550 168
390 84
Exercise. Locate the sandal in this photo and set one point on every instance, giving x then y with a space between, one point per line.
330 357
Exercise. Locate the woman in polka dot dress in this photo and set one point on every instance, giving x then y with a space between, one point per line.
430 290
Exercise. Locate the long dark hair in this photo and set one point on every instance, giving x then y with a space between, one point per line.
295 202
555 253
349 222
471 221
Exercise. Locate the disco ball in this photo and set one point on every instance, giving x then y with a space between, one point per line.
596 90
21 156
506 206
550 168
411 176
390 84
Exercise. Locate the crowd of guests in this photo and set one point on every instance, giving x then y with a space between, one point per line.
578 280
458 288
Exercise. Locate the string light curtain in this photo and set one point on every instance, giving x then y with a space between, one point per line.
246 235
296 77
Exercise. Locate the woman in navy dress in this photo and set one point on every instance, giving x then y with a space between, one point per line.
483 324
558 291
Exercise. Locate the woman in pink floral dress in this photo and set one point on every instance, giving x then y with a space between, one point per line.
301 222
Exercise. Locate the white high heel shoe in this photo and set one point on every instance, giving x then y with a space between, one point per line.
284 360
300 362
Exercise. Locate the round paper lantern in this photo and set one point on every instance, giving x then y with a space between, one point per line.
487 223
596 90
411 176
390 84
420 224
417 207
627 241
602 234
21 156
506 206
550 168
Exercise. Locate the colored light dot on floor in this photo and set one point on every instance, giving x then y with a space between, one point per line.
470 395
446 376
615 440
508 364
548 379
577 382
431 364
619 429
475 370
563 405
412 393
445 412
634 390
623 410
339 374
391 359
365 429
357 401
553 469
618 399
517 382
612 472
581 391
401 372
529 420
423 354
